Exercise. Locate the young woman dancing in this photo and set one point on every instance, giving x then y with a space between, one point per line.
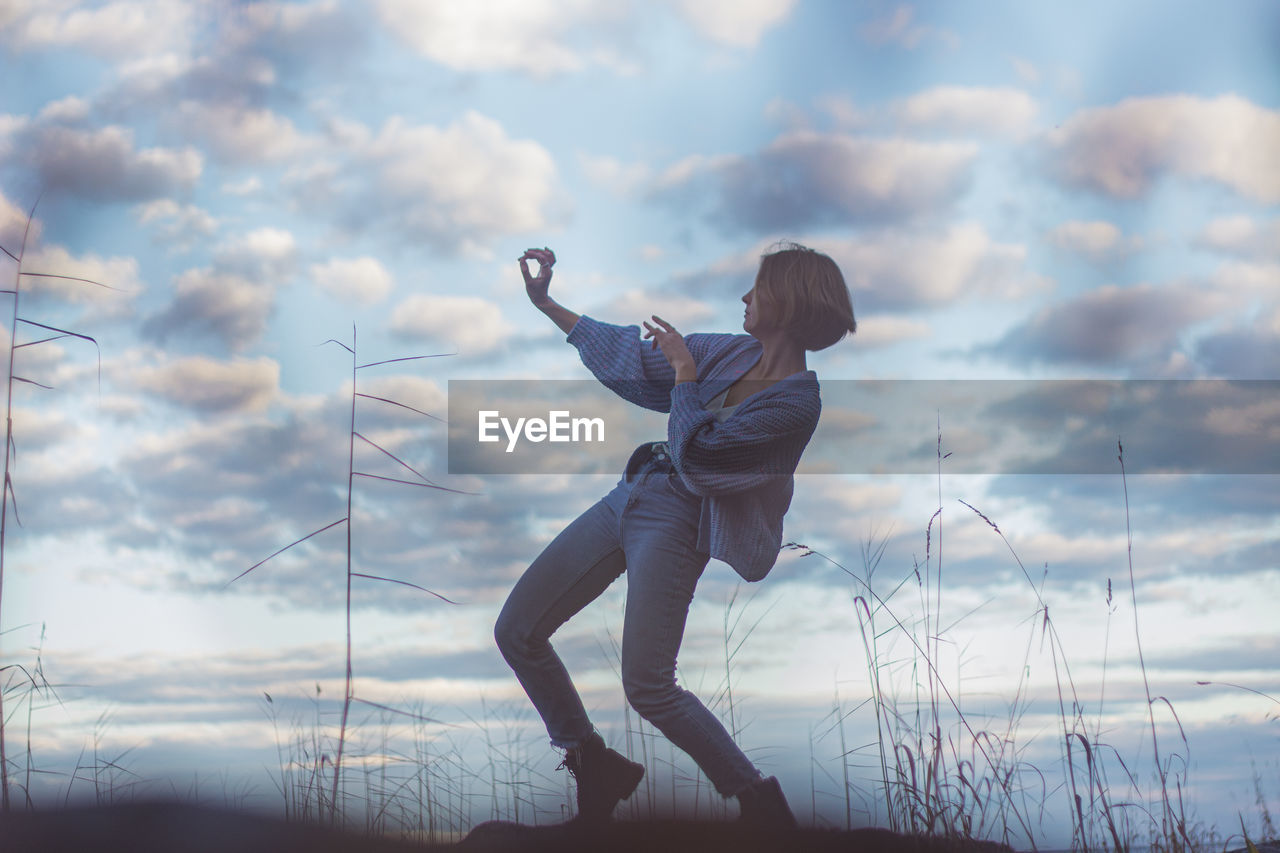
742 409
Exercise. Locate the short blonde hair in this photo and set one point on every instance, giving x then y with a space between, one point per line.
806 291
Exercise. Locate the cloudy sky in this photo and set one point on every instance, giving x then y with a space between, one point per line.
1014 192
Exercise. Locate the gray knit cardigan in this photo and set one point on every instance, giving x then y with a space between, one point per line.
742 468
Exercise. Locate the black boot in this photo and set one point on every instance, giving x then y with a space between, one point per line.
603 777
762 805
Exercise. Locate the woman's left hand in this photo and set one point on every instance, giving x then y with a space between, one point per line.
673 347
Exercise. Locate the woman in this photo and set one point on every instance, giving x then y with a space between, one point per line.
742 408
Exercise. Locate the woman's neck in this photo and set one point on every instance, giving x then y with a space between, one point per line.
782 357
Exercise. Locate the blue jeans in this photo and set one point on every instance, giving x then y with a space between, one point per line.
647 527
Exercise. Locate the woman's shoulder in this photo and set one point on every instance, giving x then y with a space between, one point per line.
711 347
798 393
720 341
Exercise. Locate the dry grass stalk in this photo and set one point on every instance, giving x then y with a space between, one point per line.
8 496
352 473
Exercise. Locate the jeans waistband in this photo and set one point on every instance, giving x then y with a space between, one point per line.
660 456
656 454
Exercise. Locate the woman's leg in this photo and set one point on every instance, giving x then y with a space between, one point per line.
571 572
659 532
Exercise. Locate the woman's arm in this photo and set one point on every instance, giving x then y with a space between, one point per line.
561 316
636 370
537 287
759 444
626 365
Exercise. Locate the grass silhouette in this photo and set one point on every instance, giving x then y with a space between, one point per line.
30 683
944 774
419 481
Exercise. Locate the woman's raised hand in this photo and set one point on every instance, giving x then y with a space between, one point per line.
673 347
536 286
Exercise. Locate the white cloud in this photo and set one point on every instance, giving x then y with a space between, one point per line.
362 281
844 498
13 10
282 20
248 186
68 110
804 178
1248 348
1243 236
1261 418
693 166
120 275
523 35
103 164
422 394
456 187
38 429
1096 240
239 134
231 300
267 253
881 330
472 324
1248 280
180 225
216 303
208 385
900 28
738 23
1122 150
632 306
902 269
13 224
113 30
1112 325
842 111
969 109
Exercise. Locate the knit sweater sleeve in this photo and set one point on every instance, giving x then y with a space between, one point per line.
631 367
762 442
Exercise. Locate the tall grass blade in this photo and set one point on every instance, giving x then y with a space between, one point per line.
418 717
411 483
13 496
394 458
402 583
339 343
401 405
70 278
62 332
41 341
282 550
405 358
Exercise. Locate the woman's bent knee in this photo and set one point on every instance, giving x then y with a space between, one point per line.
508 636
650 696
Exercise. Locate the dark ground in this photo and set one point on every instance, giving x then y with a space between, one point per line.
179 828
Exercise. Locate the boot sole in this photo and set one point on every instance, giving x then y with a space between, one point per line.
627 785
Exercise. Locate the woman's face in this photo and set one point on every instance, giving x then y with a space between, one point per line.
755 316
